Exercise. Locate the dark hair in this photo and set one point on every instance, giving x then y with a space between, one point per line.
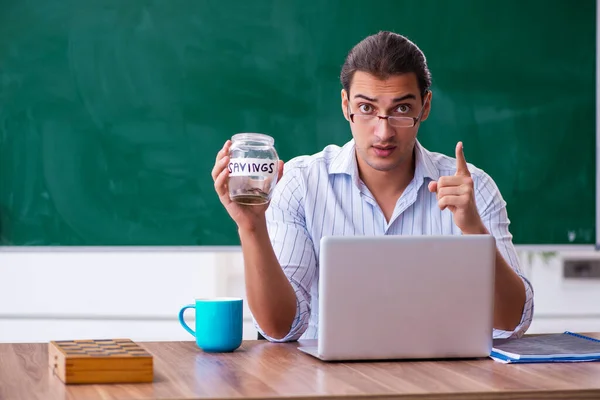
383 55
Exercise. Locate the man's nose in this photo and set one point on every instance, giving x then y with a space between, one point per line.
383 130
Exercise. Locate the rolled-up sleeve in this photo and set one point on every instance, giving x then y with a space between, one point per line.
492 209
293 247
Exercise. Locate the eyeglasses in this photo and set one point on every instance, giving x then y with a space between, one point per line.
397 122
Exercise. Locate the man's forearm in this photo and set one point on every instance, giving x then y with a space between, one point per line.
270 296
509 291
509 296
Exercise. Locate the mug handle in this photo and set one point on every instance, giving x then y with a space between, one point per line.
182 321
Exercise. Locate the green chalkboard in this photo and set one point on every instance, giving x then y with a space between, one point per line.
111 112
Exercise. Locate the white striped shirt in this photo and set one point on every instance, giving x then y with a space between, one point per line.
322 195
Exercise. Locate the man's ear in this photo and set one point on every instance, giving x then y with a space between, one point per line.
427 105
345 104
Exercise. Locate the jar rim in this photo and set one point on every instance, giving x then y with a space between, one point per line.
261 137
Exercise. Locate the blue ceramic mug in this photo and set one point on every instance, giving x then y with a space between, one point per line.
218 323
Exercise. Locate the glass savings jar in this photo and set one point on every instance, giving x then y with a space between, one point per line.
253 168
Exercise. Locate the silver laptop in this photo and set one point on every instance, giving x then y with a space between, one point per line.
405 297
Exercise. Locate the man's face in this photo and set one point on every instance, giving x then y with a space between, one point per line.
379 144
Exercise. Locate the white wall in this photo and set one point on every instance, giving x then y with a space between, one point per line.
50 295
563 304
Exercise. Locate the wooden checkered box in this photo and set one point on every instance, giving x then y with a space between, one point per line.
100 361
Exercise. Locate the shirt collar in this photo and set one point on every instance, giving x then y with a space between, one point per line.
424 166
345 163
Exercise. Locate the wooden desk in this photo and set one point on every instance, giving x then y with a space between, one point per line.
261 369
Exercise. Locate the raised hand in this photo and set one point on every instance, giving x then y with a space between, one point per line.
246 217
457 194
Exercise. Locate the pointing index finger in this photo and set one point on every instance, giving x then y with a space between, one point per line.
461 162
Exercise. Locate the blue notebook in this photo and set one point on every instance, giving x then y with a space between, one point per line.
559 347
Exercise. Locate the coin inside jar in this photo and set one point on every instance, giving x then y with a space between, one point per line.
253 168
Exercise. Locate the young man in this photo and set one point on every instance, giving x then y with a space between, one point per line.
382 182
